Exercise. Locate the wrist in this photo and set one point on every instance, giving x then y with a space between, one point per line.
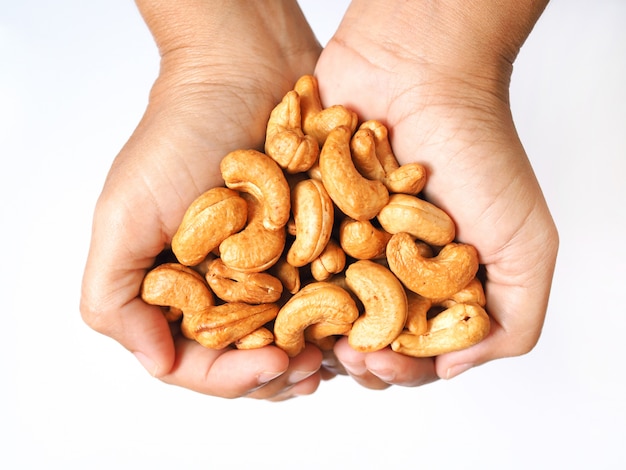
462 38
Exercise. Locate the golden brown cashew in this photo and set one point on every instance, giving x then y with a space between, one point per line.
471 293
285 142
231 285
314 303
435 278
257 174
456 328
385 305
217 327
361 240
176 286
316 121
209 220
374 159
313 214
417 316
255 248
289 275
255 340
423 220
331 261
356 196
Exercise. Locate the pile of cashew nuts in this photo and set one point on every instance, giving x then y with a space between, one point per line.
320 236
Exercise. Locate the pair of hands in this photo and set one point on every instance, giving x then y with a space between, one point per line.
222 71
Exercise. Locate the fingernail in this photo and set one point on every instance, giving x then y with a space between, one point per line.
148 364
299 375
457 370
386 375
265 377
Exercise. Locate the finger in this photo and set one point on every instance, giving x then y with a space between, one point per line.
355 364
301 367
305 387
226 373
398 369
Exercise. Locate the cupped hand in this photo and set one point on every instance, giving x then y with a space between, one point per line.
457 122
220 77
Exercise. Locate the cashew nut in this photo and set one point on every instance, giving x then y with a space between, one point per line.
289 275
255 173
317 121
313 215
417 316
209 220
385 304
219 326
356 196
332 260
314 303
374 159
255 340
255 248
423 220
435 278
231 285
361 239
458 327
285 142
178 287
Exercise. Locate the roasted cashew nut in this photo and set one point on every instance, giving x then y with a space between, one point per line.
385 304
317 121
374 159
458 327
285 142
210 219
435 278
255 340
361 239
232 285
255 173
332 260
289 275
313 215
255 248
355 195
314 303
423 220
417 315
219 326
178 287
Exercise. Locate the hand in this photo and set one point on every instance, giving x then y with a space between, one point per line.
222 71
445 102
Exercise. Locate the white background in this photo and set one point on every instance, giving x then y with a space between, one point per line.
74 78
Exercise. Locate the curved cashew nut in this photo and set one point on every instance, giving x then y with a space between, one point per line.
285 142
423 220
356 196
385 304
374 159
331 261
219 326
176 286
255 173
417 317
458 327
435 278
255 340
289 275
209 220
314 303
361 240
255 248
231 285
313 215
471 293
317 121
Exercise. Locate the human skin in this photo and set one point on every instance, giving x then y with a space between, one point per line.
224 66
437 74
